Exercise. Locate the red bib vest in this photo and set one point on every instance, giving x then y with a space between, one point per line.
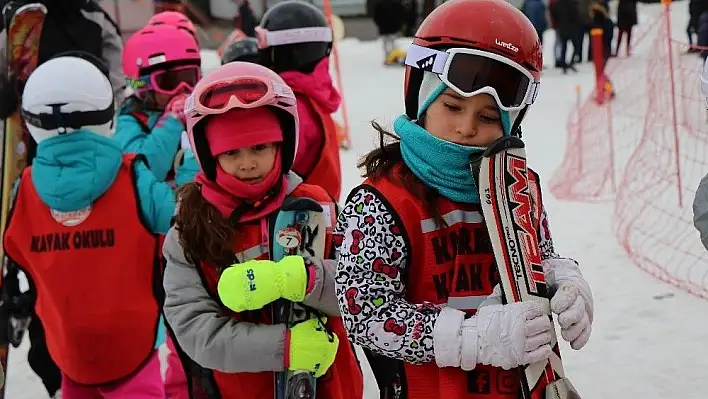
450 265
343 380
95 273
327 173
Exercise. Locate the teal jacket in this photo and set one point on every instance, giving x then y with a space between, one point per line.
157 137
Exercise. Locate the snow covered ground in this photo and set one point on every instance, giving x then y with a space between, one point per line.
648 339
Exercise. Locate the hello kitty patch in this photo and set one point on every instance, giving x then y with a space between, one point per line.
387 335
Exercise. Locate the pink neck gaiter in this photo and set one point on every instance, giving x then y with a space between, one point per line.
253 201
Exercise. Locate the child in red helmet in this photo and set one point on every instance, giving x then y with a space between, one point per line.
416 278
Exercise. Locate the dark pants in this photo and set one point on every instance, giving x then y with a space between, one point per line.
562 43
621 33
578 40
39 359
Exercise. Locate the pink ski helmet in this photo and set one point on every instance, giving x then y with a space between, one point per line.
240 85
159 47
173 18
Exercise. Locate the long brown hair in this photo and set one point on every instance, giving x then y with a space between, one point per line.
205 235
380 162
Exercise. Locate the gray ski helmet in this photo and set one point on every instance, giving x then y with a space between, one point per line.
244 49
294 14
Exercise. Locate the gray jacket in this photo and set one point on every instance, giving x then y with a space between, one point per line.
700 210
213 339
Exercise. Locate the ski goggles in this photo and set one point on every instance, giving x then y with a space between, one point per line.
268 38
238 92
172 81
470 72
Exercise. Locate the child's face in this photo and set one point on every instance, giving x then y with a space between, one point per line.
471 121
161 100
251 165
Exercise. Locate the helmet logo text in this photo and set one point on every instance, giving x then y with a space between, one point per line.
506 45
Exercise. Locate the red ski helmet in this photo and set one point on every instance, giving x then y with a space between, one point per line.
502 30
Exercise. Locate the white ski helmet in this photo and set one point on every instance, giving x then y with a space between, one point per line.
704 80
68 93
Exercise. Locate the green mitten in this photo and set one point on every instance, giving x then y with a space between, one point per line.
256 283
309 346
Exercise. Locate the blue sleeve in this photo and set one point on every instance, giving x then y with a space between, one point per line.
157 199
187 170
159 146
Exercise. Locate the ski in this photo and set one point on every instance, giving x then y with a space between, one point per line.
23 25
299 229
511 218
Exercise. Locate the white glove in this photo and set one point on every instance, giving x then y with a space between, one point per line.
571 301
505 336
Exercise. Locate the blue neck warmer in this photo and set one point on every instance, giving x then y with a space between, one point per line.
440 164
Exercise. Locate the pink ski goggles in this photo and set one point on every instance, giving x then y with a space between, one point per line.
268 38
172 81
238 92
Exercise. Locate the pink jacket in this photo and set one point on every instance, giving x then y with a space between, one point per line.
316 86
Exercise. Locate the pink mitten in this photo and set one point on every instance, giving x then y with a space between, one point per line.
176 107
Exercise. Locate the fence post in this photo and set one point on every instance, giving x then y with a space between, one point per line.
672 87
598 60
343 135
610 137
578 110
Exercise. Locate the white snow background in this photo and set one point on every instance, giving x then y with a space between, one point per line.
649 339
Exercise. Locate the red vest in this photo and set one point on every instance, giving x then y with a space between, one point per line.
94 271
451 266
327 173
343 380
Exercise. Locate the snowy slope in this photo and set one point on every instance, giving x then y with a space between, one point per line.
648 338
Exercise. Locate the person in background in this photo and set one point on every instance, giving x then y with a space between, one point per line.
168 5
695 9
410 17
535 11
626 19
703 34
70 25
389 17
295 41
565 14
246 20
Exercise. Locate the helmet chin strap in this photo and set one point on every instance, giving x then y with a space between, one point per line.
516 125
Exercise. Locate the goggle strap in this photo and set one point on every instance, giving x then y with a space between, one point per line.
283 91
426 59
57 120
533 92
299 35
190 104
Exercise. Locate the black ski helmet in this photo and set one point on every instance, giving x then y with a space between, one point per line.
294 14
244 49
